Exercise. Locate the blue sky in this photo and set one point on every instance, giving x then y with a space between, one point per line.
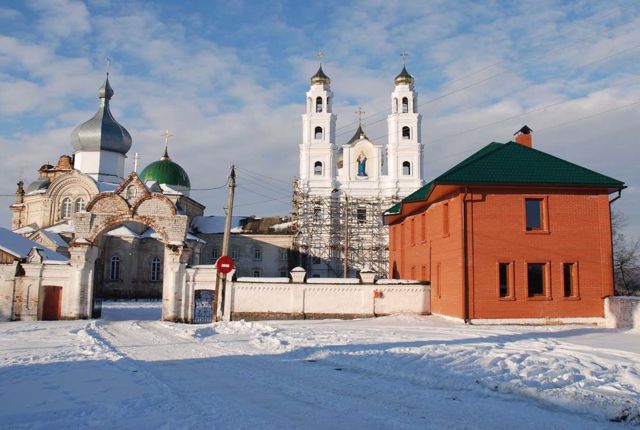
228 79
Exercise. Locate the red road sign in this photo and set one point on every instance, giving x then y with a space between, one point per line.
225 264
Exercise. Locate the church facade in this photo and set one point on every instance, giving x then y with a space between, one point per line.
343 189
129 251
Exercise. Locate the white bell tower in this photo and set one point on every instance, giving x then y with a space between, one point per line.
404 149
317 159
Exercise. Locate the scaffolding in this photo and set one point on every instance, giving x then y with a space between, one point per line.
323 225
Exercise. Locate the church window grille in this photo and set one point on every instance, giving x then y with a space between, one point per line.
214 254
284 255
256 273
317 168
155 269
284 274
234 253
361 215
114 269
80 205
257 253
406 168
132 192
405 105
317 213
319 104
317 133
65 208
406 132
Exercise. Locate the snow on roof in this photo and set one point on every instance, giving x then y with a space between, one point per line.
25 230
214 223
123 231
20 247
150 233
63 227
168 190
282 226
55 238
106 186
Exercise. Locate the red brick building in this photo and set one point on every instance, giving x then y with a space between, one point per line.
510 232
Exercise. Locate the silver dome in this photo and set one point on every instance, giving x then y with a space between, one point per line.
102 132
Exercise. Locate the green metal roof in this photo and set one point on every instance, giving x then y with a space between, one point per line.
165 171
513 164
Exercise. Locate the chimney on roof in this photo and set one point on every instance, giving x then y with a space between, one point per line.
523 136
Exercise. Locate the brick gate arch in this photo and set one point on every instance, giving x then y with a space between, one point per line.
130 202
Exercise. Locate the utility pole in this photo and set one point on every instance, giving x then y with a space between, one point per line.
346 236
219 299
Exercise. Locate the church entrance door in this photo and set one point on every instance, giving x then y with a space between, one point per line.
52 303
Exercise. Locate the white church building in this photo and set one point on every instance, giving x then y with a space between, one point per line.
343 189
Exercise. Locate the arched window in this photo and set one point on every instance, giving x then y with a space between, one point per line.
406 132
405 105
406 168
317 213
79 207
65 208
395 105
114 269
317 168
319 104
132 192
155 269
317 133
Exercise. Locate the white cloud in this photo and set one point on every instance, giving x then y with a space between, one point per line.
224 109
62 18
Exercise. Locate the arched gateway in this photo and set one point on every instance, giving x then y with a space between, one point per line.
130 202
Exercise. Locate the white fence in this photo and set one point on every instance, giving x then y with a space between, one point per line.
622 312
281 298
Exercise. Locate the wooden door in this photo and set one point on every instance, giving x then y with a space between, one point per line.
52 303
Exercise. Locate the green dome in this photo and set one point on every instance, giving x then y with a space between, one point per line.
165 171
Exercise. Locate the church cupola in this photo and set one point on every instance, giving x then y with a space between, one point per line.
166 173
100 144
320 78
404 78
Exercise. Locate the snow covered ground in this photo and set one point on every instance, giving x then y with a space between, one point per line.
130 370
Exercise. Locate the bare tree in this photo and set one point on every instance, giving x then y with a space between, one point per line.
626 258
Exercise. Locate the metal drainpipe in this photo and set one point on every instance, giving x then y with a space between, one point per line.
466 257
613 271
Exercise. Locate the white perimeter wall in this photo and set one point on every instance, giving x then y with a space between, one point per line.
331 298
622 312
281 298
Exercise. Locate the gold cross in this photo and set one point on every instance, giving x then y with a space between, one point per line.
108 64
360 114
166 136
320 55
404 56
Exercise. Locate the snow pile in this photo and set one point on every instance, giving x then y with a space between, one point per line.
607 384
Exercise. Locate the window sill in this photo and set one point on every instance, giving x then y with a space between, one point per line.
540 298
537 232
444 236
572 298
507 299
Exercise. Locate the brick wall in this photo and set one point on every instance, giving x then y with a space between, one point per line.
577 230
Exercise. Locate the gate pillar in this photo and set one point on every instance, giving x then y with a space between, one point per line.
78 303
174 289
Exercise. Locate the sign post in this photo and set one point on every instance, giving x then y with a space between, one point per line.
226 265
